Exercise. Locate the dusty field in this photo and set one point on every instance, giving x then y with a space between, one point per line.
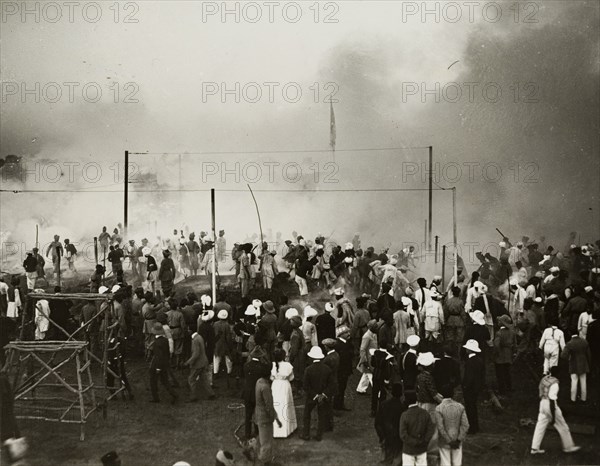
148 434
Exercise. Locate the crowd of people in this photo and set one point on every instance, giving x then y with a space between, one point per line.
420 347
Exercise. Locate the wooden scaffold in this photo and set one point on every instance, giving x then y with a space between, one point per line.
41 391
51 379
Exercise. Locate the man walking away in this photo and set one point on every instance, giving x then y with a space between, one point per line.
577 352
159 366
198 364
265 416
387 426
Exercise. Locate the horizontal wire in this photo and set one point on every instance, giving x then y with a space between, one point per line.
226 190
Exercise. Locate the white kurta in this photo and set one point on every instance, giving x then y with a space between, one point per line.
283 400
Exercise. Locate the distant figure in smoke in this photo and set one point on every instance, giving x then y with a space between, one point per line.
268 267
245 271
104 239
356 242
116 237
96 278
184 257
70 254
193 249
57 252
114 257
130 251
166 274
221 246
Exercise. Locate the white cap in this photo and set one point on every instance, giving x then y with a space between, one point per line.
406 301
115 288
146 250
329 307
223 314
425 359
250 310
338 291
472 345
478 317
316 353
102 289
310 312
348 246
554 269
502 244
348 260
413 340
257 303
478 285
291 312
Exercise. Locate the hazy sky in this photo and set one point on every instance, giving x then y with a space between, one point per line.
512 114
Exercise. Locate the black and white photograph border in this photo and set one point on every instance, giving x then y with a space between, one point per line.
299 232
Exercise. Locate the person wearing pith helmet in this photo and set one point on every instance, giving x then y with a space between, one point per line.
473 382
318 390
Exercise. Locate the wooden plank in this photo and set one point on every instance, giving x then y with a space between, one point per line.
70 296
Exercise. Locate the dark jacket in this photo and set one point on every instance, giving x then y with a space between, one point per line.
409 370
318 378
325 325
504 345
474 376
387 422
446 372
161 354
30 264
252 371
346 352
208 334
577 352
416 430
593 338
264 411
198 359
333 361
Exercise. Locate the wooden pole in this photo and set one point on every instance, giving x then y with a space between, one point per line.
214 256
126 193
430 196
96 249
37 242
58 268
443 266
436 248
454 235
259 222
425 236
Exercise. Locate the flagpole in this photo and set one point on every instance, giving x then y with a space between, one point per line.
332 129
